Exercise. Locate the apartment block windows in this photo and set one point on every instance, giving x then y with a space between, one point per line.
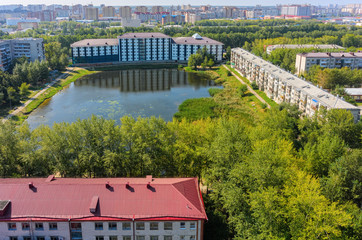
112 226
112 237
192 225
167 238
25 226
140 226
98 226
167 226
182 225
126 238
11 226
39 226
154 226
13 238
126 226
54 238
140 238
53 226
154 238
99 238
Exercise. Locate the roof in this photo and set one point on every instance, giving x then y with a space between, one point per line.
332 55
196 41
144 35
354 91
95 42
92 199
290 79
296 46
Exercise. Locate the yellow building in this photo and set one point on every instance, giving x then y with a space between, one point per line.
125 12
91 13
108 11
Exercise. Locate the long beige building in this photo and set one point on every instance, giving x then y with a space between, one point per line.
108 11
304 61
91 13
271 48
125 12
282 86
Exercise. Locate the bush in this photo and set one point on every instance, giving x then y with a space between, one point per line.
196 108
214 91
254 86
242 90
219 81
229 73
263 105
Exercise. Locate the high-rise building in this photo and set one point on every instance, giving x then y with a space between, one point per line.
108 11
141 9
296 10
125 12
157 9
228 11
91 13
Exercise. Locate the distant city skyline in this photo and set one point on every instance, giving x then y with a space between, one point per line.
167 2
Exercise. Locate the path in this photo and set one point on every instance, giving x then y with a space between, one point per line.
24 105
249 88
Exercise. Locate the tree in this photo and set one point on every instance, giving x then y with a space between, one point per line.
210 63
192 62
242 90
228 53
12 95
24 89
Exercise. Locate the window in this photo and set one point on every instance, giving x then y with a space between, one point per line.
182 225
154 238
54 238
75 227
140 226
25 226
126 238
112 237
112 226
192 225
13 238
99 238
126 226
98 226
39 226
26 238
140 238
11 226
40 238
167 238
192 237
167 226
154 226
53 226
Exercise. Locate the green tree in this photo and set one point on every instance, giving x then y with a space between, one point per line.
24 89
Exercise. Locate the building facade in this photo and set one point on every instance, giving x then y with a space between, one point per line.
271 48
32 48
143 47
304 61
91 13
296 10
101 209
282 86
125 12
108 11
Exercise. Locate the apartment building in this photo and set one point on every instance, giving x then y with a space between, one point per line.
141 9
282 86
101 209
304 61
32 48
175 19
296 10
108 11
91 13
125 12
143 47
271 48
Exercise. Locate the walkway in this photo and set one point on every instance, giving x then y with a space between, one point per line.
249 88
23 106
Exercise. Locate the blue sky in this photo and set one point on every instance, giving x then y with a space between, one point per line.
178 2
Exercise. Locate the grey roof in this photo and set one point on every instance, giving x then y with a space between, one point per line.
316 93
295 46
144 35
95 42
333 55
354 91
195 41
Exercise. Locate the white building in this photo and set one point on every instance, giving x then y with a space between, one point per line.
15 21
282 86
271 48
32 48
304 61
101 209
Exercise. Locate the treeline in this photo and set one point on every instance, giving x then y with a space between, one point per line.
280 178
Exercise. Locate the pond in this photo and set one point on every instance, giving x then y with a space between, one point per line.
113 94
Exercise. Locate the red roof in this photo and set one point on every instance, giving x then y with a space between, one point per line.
90 199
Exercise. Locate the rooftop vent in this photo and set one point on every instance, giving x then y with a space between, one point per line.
134 35
87 43
106 43
50 178
3 206
197 36
31 185
127 185
107 185
149 185
93 205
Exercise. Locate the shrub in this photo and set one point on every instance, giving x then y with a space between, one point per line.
214 91
242 90
229 73
254 86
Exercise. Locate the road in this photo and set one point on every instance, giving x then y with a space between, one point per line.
249 88
24 105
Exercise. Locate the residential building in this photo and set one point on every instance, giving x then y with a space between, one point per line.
44 16
296 10
192 17
32 48
228 11
101 208
183 47
304 61
27 25
143 47
156 9
91 13
355 93
127 22
15 21
271 48
282 86
108 11
176 19
125 12
141 9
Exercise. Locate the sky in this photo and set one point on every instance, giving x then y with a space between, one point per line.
179 2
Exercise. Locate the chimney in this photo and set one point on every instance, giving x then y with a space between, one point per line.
127 185
107 185
93 205
148 185
31 185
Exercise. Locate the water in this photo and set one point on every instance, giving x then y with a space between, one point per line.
113 94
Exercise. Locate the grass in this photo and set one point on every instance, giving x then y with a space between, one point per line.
56 88
214 91
359 103
261 93
196 108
